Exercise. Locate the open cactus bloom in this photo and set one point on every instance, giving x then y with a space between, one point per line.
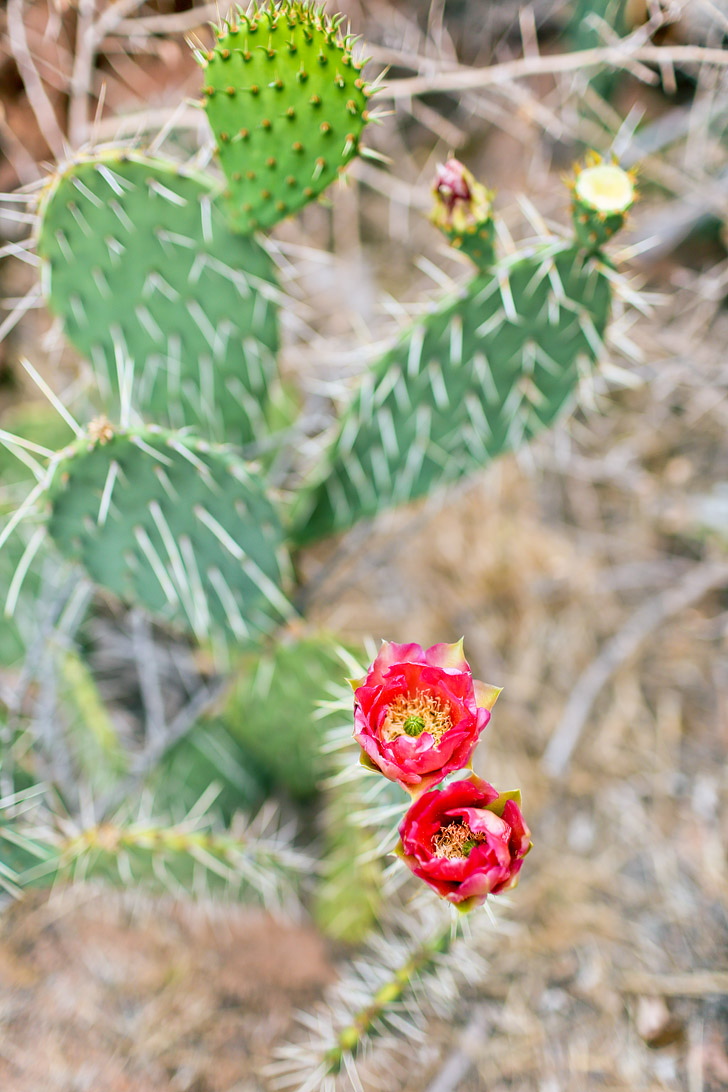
419 713
465 840
605 188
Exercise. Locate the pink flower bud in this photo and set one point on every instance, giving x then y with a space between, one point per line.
452 182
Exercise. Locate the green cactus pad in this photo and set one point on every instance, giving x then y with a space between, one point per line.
142 267
287 104
272 707
175 524
475 378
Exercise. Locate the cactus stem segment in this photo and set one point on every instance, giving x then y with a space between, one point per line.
352 1037
300 48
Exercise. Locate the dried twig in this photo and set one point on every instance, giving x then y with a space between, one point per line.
82 76
465 79
459 1062
39 102
690 984
145 657
618 649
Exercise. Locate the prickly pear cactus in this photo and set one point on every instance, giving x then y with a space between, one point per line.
287 104
172 523
153 288
479 375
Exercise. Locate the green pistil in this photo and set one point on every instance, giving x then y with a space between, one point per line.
469 846
414 725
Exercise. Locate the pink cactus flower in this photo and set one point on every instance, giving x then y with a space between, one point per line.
465 840
453 182
418 713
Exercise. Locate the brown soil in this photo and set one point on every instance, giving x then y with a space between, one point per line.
100 992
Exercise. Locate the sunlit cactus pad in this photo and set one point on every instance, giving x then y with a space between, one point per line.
287 104
145 273
477 377
172 523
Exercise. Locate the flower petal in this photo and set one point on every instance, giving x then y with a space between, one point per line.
391 653
486 695
448 657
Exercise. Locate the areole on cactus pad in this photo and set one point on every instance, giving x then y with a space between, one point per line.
287 103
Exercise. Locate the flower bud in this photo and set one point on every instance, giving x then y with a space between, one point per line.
463 211
603 194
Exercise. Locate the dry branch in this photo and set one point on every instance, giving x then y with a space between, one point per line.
468 79
620 648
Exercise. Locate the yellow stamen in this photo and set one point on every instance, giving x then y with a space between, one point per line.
456 840
413 714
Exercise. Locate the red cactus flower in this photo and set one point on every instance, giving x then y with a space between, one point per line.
465 840
418 713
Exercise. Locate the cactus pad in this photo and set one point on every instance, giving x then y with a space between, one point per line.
142 267
287 104
173 523
479 376
272 710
